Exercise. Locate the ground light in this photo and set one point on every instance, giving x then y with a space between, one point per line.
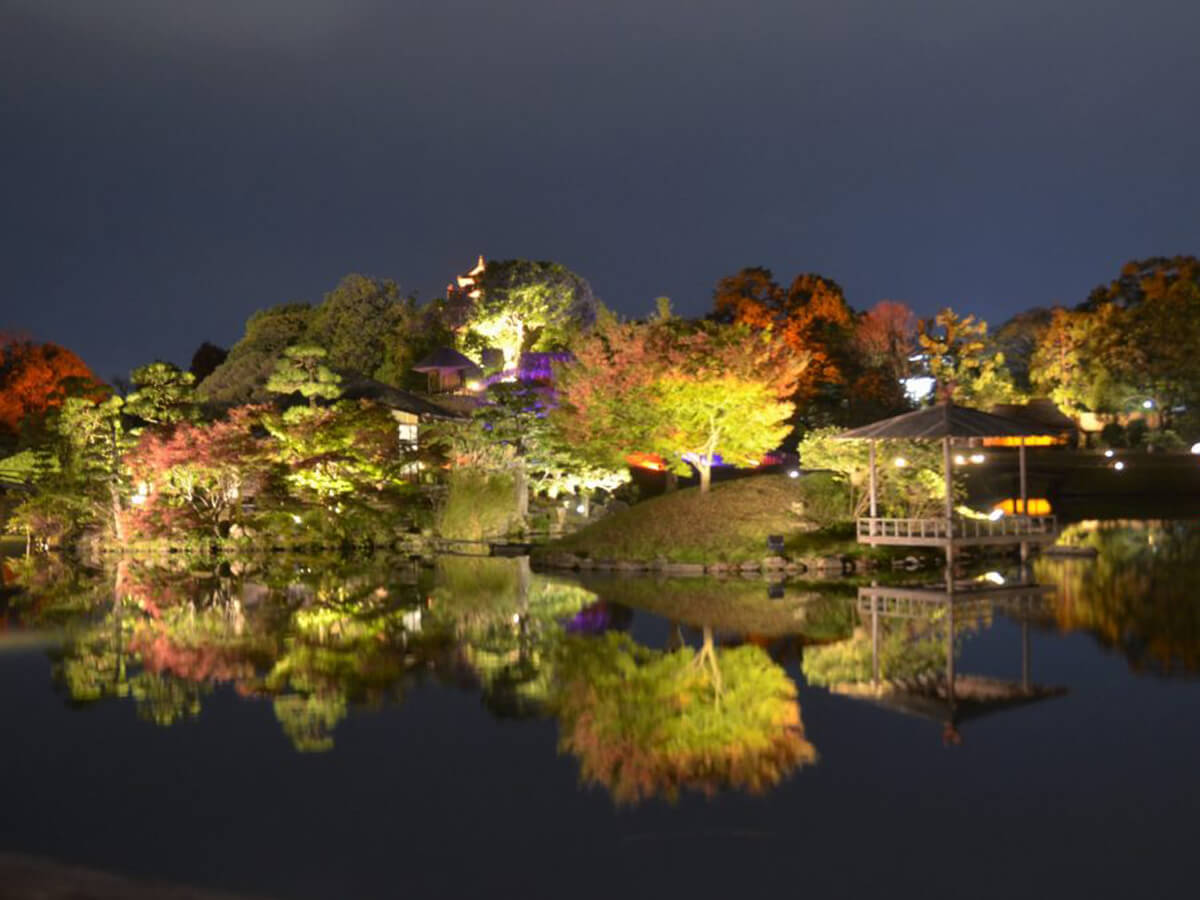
1108 454
1119 466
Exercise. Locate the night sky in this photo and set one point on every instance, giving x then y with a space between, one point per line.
170 167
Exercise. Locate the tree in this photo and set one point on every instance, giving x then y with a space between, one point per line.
206 359
686 392
811 316
1018 340
526 306
163 395
356 321
242 377
302 370
967 372
92 444
201 471
32 379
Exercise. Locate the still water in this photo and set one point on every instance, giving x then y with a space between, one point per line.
317 728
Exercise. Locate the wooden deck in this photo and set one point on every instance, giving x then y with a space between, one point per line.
961 532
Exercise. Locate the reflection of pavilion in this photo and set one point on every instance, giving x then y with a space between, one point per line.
950 697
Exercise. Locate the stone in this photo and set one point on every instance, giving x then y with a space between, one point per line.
681 568
774 563
751 565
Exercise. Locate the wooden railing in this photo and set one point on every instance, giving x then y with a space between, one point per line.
927 531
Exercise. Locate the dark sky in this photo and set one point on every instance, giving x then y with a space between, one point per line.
168 168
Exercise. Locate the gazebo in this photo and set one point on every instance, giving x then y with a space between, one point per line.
947 422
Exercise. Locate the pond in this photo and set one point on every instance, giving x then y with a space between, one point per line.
301 727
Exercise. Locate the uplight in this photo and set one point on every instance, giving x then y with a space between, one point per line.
994 578
1119 466
794 473
1196 449
959 459
1108 454
996 514
977 458
900 462
1147 404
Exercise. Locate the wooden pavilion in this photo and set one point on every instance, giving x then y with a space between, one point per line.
948 423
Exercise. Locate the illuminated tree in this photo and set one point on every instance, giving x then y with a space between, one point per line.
966 370
675 389
202 470
163 395
525 306
32 379
915 489
302 370
811 316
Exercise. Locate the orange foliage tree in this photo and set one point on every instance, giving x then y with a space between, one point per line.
811 315
32 376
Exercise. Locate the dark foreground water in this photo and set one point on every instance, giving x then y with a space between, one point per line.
313 729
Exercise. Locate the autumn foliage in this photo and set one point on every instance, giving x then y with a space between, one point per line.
32 378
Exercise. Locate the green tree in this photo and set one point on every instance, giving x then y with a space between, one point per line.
163 395
526 306
966 369
356 321
242 377
302 370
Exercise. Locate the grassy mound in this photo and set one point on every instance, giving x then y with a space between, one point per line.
729 524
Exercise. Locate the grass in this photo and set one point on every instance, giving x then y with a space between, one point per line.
729 524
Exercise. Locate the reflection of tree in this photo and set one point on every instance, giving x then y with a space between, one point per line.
508 621
1137 596
646 722
908 652
309 720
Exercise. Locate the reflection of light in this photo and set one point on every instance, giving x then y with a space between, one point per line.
959 459
1108 454
900 462
1118 465
996 514
794 473
977 458
994 577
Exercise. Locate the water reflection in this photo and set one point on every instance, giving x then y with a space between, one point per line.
711 707
648 723
1137 595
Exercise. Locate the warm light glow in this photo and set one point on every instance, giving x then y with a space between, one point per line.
996 514
1035 506
295 518
581 509
1196 448
977 458
474 385
899 462
796 474
1034 440
994 577
959 459
650 461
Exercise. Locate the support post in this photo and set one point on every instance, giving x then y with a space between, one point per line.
1024 496
873 489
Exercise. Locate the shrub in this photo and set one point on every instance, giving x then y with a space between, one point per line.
478 505
1135 433
823 500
